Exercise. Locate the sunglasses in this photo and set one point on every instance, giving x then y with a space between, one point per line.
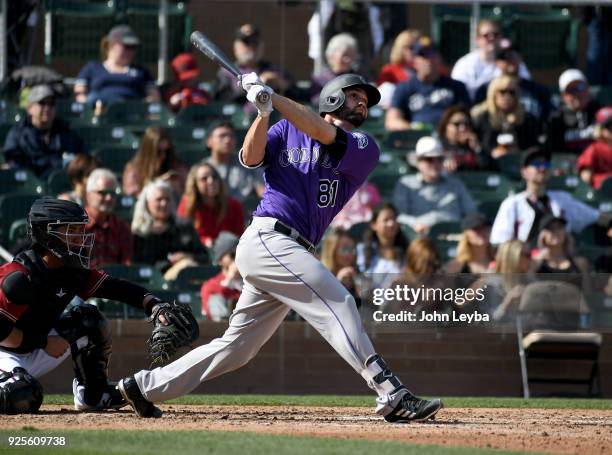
347 250
507 91
104 193
540 164
433 159
576 88
48 103
459 123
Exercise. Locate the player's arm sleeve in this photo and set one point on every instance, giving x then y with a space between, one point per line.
360 155
104 286
276 135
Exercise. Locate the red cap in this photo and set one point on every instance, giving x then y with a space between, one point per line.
185 67
604 116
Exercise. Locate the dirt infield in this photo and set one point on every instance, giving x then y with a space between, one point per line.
541 430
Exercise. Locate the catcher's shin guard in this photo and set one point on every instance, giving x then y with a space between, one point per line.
20 392
132 394
395 402
90 362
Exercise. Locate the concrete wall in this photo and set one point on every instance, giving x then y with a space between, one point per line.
297 360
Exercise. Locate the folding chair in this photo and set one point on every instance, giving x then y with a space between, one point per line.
547 324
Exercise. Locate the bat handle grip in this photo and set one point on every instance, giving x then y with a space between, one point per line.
263 97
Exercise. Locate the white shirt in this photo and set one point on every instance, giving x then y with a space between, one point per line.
515 216
473 71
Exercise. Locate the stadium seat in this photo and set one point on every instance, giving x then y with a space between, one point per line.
447 249
445 230
605 190
385 182
408 232
19 181
390 163
18 232
143 274
13 207
114 157
510 165
102 136
548 328
375 123
404 140
358 229
489 208
191 278
602 93
136 115
4 130
58 182
10 113
72 112
562 163
486 185
187 135
192 299
124 207
201 115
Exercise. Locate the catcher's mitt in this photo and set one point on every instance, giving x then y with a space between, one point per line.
165 340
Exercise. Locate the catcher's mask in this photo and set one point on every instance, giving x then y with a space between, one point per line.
332 95
58 226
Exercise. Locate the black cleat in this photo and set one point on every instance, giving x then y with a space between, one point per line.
142 407
414 409
111 399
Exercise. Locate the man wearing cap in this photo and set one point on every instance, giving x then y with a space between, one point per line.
478 66
248 51
430 196
41 142
571 128
116 78
519 215
423 98
221 292
595 163
240 182
185 90
534 97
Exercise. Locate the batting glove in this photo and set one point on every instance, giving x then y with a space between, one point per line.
249 80
263 109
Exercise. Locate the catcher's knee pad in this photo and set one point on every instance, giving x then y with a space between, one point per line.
91 361
380 377
20 392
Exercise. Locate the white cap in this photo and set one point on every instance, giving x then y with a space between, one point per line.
569 76
429 147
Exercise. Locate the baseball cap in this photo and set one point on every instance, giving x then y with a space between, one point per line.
533 154
225 243
124 34
248 34
506 51
604 116
424 47
185 66
429 147
547 220
569 76
39 93
473 220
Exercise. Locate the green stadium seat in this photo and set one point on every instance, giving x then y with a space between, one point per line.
191 154
408 232
489 208
192 299
562 163
187 135
18 231
447 249
58 182
375 123
444 230
72 112
404 140
124 207
102 136
4 130
602 93
510 165
143 274
392 163
385 182
569 183
19 181
202 115
114 158
10 113
358 229
13 207
605 190
486 185
136 115
191 278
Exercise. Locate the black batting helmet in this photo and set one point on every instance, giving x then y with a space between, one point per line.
332 95
46 222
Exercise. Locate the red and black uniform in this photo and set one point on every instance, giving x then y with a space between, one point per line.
32 296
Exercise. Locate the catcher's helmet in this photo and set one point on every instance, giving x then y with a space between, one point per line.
332 95
46 222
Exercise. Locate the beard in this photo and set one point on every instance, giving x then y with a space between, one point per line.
352 116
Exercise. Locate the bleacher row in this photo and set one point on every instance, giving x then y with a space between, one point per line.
114 137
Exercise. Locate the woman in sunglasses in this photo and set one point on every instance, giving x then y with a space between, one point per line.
460 141
501 122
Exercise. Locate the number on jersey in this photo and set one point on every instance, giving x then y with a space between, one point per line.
328 189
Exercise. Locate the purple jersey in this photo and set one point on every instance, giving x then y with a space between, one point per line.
305 185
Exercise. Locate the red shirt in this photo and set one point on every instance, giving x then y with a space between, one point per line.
208 227
393 73
598 158
214 287
113 242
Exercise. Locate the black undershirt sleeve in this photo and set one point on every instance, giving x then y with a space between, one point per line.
124 291
338 148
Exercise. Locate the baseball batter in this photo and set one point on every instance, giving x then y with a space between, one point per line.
313 165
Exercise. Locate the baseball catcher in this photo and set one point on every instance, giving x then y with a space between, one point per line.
36 334
313 163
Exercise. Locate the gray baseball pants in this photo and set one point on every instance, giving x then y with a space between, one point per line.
279 275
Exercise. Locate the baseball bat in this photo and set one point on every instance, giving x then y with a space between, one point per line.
210 49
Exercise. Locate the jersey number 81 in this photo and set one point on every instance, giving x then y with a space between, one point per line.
328 190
